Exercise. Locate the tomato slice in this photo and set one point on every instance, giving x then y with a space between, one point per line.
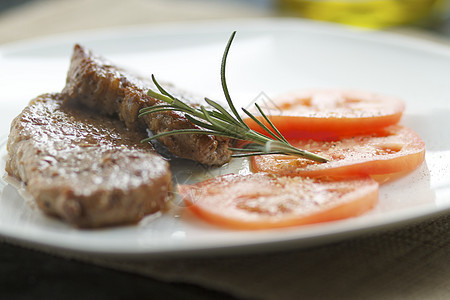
261 200
393 150
327 113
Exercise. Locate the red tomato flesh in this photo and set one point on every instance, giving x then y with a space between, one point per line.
324 114
393 150
261 200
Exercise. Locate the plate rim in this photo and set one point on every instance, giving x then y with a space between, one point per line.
432 42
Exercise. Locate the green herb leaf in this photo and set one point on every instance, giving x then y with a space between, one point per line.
218 121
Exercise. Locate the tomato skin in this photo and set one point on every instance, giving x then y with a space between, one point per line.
393 150
330 114
262 201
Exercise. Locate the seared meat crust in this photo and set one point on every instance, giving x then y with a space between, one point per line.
87 169
101 86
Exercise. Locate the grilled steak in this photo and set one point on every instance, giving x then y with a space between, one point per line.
87 169
104 87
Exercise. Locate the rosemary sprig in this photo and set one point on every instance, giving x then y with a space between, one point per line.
219 122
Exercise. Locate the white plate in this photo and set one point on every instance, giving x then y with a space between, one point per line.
269 57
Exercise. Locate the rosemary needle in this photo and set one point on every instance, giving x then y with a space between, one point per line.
218 121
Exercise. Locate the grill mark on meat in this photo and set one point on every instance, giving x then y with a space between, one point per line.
87 169
100 85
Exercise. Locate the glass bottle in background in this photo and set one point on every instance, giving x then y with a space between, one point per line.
368 13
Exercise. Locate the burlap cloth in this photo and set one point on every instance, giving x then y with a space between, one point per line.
412 262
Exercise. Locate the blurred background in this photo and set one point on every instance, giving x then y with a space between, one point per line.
23 19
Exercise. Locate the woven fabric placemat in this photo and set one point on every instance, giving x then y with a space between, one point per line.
408 263
411 262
